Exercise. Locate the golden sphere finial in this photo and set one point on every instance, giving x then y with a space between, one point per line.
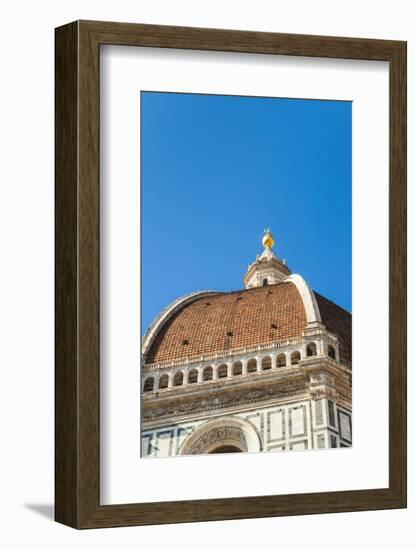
268 241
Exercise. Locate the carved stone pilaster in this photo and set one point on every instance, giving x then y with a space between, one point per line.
322 385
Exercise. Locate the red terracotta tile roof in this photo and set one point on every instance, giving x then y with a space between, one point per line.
338 321
245 318
231 320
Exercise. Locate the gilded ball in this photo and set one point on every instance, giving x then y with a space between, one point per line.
268 240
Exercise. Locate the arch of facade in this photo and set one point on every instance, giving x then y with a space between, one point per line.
229 432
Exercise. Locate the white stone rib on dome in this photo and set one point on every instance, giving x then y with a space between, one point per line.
307 295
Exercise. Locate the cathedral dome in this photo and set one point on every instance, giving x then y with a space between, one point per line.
226 321
275 307
210 322
264 368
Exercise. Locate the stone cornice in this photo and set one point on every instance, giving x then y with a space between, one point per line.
318 363
181 409
255 379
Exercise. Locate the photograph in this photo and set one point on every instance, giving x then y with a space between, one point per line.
246 274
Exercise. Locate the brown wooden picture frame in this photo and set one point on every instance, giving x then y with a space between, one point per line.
77 359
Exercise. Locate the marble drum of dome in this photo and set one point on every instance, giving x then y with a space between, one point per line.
263 368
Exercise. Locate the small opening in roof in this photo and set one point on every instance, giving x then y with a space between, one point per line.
185 342
229 333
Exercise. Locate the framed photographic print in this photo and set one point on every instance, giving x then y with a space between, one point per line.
230 274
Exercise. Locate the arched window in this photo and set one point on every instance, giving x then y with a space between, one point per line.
295 357
281 360
331 352
252 366
237 369
148 385
311 349
193 376
265 282
222 371
208 374
178 378
163 382
266 363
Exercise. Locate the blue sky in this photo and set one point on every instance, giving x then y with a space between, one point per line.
218 170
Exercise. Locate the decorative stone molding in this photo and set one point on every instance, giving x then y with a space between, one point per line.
217 433
322 385
198 404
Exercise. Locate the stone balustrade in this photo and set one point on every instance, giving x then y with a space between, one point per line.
197 374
